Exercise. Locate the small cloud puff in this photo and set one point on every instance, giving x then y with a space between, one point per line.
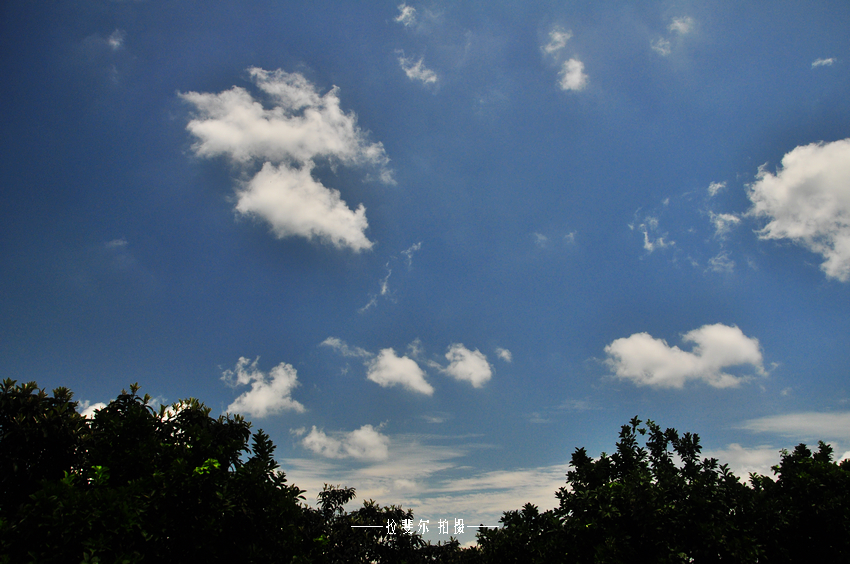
647 361
416 70
471 366
504 354
823 62
269 394
388 369
365 443
573 76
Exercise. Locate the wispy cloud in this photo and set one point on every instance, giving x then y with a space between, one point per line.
504 354
807 201
406 15
681 26
408 253
300 128
715 187
416 70
344 349
269 394
811 425
558 38
648 361
824 62
116 39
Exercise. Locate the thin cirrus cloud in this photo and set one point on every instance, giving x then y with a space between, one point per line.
269 394
806 425
365 443
300 128
807 201
647 361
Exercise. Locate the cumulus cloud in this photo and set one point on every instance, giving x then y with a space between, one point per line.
572 75
406 15
388 369
269 394
808 202
648 361
416 70
471 366
365 443
504 354
823 62
300 128
558 38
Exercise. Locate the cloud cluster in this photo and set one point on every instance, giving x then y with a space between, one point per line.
648 361
808 202
365 443
571 75
269 394
300 128
388 369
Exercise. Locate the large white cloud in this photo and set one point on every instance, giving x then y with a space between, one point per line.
269 394
365 443
299 128
648 361
388 369
471 366
808 202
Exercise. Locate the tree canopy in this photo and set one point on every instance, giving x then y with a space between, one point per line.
135 484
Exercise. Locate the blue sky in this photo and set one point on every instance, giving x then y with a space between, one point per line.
432 248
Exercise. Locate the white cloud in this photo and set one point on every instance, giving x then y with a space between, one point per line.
408 253
301 127
681 26
365 443
540 239
648 361
342 348
116 39
504 354
742 460
416 70
87 409
390 370
650 240
406 16
721 262
661 46
808 202
809 426
723 222
572 75
269 394
558 38
468 365
715 187
823 62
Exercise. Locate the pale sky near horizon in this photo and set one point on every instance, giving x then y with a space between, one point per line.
432 248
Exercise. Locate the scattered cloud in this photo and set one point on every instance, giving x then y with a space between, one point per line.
648 361
408 253
300 128
661 46
651 239
540 239
388 369
342 348
269 394
823 62
416 70
365 443
715 187
681 26
504 354
471 366
573 76
808 202
558 38
116 39
406 16
809 426
721 262
723 222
